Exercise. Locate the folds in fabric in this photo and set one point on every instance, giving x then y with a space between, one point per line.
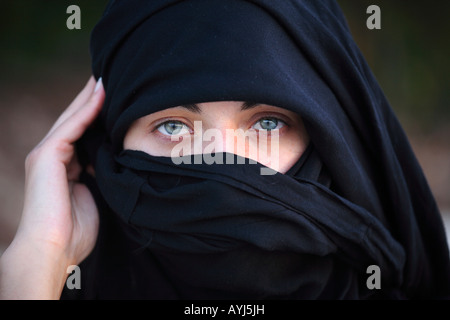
373 205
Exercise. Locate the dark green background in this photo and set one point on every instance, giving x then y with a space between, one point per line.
43 65
409 55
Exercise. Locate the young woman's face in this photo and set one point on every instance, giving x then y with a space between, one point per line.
270 135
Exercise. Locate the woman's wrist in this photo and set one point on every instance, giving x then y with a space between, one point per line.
32 270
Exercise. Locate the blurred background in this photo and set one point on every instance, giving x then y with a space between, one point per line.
44 65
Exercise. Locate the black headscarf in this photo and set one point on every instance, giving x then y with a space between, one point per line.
357 197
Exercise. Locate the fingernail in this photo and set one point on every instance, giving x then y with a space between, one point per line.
99 83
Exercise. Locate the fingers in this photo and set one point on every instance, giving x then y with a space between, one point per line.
58 144
80 114
51 171
79 101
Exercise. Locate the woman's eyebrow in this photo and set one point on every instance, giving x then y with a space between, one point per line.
248 105
192 107
195 108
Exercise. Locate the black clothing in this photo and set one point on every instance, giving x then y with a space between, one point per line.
356 198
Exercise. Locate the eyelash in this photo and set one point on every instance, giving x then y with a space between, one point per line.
279 122
154 129
260 118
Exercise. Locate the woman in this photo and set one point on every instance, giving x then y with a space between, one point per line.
144 219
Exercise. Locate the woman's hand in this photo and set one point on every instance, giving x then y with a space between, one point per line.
59 223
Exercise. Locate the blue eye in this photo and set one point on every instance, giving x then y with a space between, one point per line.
171 128
268 124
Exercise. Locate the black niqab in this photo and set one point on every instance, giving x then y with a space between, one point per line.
356 198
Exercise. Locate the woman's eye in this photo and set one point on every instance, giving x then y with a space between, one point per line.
171 128
268 124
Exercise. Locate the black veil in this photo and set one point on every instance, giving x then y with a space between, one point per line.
358 198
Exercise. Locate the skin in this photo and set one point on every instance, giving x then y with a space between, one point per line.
150 133
59 223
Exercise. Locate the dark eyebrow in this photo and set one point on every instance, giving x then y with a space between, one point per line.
195 108
248 105
192 107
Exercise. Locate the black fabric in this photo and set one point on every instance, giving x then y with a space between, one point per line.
356 198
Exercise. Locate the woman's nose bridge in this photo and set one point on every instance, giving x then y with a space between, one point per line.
226 139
